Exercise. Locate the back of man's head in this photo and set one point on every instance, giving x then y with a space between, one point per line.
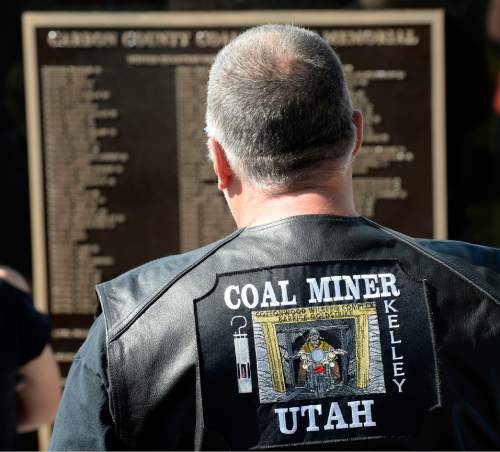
279 106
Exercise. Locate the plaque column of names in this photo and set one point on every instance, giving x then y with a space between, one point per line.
203 214
73 180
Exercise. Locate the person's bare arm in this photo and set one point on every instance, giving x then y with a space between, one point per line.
14 278
39 392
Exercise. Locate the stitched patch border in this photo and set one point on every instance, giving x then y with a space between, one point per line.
316 352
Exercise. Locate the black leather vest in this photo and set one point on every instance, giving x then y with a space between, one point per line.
313 331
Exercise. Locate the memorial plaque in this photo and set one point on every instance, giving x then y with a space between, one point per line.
118 166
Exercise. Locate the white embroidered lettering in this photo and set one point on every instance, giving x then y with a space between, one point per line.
357 413
399 384
311 410
335 415
281 412
227 297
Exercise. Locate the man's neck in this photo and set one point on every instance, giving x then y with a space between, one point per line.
257 207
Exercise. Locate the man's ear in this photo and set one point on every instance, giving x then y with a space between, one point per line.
357 119
222 168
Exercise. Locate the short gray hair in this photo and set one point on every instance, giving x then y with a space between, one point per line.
279 106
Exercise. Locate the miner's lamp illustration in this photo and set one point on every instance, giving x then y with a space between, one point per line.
242 353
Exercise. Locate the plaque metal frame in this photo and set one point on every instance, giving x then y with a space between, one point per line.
33 20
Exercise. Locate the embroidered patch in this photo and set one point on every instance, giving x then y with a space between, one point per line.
315 353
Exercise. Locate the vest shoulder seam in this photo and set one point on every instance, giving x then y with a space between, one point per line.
461 273
123 325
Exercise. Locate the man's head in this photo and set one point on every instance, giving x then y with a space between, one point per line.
279 107
313 336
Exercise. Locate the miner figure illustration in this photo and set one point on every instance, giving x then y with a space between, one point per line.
319 367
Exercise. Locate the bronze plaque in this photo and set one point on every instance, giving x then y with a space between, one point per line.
118 166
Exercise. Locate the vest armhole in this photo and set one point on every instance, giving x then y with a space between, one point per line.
482 286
